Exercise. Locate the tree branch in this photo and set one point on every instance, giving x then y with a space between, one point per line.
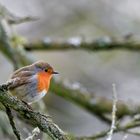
11 119
6 48
130 125
96 45
43 122
114 110
14 55
13 19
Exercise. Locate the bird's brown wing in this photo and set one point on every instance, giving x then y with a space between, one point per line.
20 78
24 70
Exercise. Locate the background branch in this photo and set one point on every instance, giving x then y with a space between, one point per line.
14 55
130 125
101 107
96 45
12 19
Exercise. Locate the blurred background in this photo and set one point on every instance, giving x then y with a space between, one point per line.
95 71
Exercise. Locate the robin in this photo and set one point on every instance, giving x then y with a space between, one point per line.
32 82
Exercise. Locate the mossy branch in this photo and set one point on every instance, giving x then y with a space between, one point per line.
43 122
11 119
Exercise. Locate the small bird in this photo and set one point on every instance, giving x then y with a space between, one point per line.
32 82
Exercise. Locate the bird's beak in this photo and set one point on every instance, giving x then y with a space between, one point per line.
54 72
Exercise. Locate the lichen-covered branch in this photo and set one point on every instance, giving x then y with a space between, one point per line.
11 119
96 45
43 122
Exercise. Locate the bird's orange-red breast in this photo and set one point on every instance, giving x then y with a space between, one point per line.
44 80
32 82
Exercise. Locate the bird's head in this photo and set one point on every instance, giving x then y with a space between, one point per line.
44 67
44 74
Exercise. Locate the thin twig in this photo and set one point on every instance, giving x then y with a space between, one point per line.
130 125
12 123
35 133
114 109
124 128
13 19
133 133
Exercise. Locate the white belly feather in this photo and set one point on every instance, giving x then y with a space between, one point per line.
37 97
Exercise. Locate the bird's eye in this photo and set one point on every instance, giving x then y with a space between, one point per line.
46 70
